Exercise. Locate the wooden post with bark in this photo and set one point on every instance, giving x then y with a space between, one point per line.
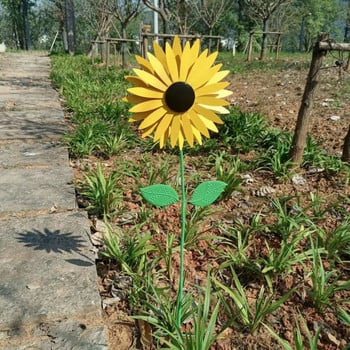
301 128
322 46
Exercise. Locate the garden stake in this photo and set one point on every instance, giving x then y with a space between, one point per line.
177 97
182 239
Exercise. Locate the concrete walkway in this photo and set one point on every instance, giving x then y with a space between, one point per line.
48 284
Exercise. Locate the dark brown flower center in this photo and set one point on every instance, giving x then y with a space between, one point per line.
179 97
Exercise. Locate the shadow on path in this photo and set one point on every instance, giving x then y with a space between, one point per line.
56 242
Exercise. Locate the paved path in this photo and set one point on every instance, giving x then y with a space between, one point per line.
48 284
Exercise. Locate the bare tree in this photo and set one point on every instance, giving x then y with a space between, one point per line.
210 12
70 26
177 12
262 10
125 11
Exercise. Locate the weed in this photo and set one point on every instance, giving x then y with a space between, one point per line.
102 191
162 315
300 344
193 232
276 157
243 131
227 171
111 144
281 260
336 242
290 217
129 251
238 237
324 284
236 303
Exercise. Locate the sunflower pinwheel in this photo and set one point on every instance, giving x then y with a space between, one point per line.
178 94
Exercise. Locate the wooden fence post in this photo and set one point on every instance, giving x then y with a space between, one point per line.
250 46
301 128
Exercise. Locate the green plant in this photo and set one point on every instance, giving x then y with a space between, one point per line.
111 144
193 232
336 242
128 250
238 236
166 253
162 315
299 343
324 284
236 303
86 138
155 173
290 218
315 156
102 191
343 316
227 171
276 157
243 131
281 260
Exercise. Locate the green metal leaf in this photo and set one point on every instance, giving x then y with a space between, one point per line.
159 195
207 192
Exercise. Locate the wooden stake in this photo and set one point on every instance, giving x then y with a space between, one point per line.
301 128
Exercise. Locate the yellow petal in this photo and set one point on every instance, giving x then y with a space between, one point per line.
148 131
177 48
134 99
154 117
208 123
163 139
197 135
186 62
187 129
207 113
217 109
159 69
197 123
181 139
163 126
135 80
138 116
171 62
159 53
211 89
223 93
201 71
146 106
211 101
174 131
218 76
195 48
150 79
143 92
144 64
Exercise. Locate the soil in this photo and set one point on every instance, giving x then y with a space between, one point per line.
277 96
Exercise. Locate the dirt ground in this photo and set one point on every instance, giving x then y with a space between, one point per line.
277 96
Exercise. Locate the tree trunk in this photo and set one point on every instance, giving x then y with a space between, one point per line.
70 26
346 148
210 40
264 40
302 35
124 45
27 41
301 128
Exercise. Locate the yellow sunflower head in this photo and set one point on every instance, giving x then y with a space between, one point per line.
178 94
